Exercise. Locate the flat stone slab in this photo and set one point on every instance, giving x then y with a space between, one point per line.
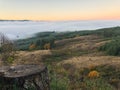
21 70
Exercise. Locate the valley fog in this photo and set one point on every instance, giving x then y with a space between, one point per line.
25 29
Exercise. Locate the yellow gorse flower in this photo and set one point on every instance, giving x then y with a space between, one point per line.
93 74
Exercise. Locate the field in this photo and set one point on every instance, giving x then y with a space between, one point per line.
77 62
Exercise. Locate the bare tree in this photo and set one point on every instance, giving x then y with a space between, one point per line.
6 49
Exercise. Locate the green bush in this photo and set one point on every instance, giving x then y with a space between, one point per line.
10 59
97 84
58 83
112 48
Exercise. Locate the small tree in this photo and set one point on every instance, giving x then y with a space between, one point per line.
6 49
47 46
32 46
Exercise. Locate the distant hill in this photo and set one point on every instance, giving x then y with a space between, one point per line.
106 33
14 20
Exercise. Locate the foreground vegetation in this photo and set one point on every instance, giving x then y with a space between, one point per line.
101 77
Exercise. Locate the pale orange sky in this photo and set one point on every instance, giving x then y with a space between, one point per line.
59 9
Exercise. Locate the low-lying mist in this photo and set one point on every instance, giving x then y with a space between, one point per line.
18 29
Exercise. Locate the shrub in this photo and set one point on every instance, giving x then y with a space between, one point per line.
32 46
6 49
93 74
112 48
10 59
58 83
97 84
47 46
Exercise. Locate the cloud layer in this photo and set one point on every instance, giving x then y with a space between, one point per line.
18 29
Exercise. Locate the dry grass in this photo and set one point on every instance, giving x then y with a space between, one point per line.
83 43
75 42
89 42
30 57
88 61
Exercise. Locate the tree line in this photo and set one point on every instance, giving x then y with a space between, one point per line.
42 44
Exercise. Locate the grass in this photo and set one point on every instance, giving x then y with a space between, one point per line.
60 55
69 78
68 73
97 84
58 83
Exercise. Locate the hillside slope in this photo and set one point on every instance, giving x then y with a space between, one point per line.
83 49
74 58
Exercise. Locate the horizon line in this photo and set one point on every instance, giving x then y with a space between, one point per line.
56 20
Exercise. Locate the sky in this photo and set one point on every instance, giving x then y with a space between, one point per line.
60 9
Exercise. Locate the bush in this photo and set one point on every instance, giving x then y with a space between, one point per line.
6 49
58 83
112 48
10 59
93 74
97 84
